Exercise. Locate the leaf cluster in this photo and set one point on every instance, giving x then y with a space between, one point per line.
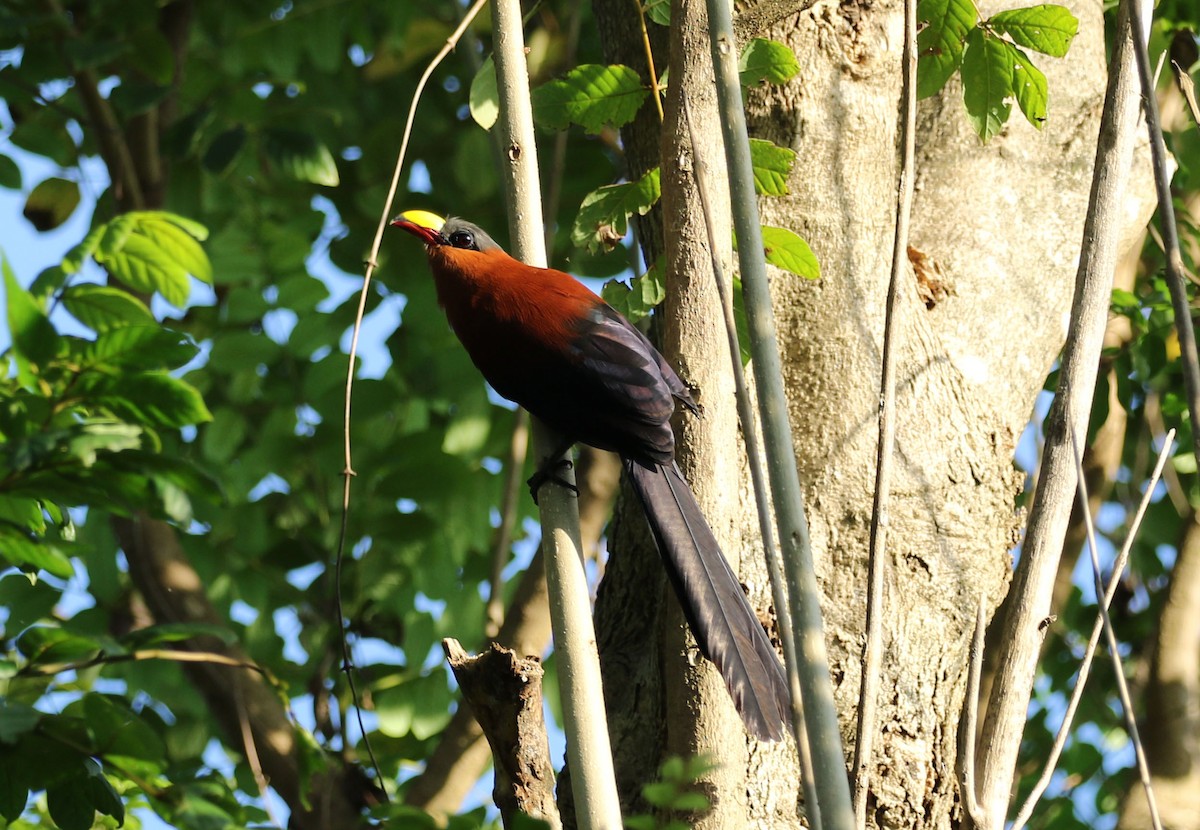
991 58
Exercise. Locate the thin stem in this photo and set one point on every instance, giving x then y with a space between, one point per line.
804 595
880 519
348 469
1113 646
967 735
655 89
593 780
1170 231
1085 666
1033 582
514 466
762 492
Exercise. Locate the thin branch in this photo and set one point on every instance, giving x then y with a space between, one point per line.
1089 654
1033 583
514 467
880 518
655 89
252 756
966 758
1113 646
174 654
348 470
1170 231
804 595
762 492
593 780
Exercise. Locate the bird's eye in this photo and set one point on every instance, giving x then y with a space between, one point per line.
462 239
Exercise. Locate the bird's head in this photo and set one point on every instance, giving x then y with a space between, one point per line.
439 233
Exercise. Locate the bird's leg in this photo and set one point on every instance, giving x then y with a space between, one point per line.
548 470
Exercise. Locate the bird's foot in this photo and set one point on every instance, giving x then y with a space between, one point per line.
549 472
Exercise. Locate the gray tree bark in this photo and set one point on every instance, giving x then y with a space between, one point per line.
998 228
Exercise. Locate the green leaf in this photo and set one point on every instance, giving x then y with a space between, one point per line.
987 76
139 347
48 644
785 249
155 635
32 334
1048 29
14 794
1125 300
640 297
73 261
100 792
1029 87
301 156
179 239
51 203
224 149
15 720
99 436
603 218
103 308
940 43
151 398
70 806
154 251
659 11
152 55
143 266
484 99
24 552
767 60
10 174
592 96
772 164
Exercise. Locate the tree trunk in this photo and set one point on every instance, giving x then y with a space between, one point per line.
1000 226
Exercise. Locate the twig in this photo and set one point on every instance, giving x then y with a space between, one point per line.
1113 645
177 655
655 90
1085 666
804 595
252 755
1188 87
593 780
1033 582
348 471
880 518
514 467
762 493
1170 231
967 735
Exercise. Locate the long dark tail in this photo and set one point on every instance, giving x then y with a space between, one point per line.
726 627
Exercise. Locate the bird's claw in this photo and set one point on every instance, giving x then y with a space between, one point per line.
549 472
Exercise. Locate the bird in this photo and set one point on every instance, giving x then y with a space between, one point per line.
547 342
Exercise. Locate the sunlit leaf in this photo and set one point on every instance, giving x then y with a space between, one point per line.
32 334
643 294
102 308
987 75
592 96
603 218
767 60
940 43
772 164
484 98
1029 87
1048 29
